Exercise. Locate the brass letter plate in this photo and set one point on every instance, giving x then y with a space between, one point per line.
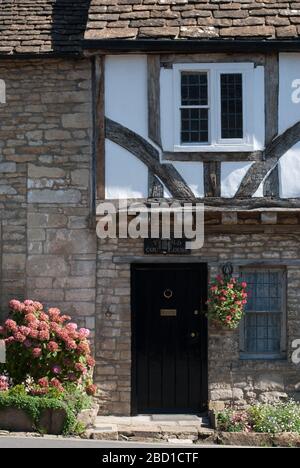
168 312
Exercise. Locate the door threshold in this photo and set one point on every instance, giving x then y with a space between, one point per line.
175 417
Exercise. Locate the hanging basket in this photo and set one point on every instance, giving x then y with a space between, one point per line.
226 302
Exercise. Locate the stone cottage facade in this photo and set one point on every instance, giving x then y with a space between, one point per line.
87 115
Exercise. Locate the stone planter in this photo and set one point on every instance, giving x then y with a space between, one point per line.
50 422
17 420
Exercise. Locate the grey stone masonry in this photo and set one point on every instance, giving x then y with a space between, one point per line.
231 380
48 250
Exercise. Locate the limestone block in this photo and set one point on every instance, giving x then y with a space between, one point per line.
54 196
47 265
7 190
64 241
13 261
46 220
80 177
76 120
57 134
269 382
226 394
8 167
45 171
36 234
272 397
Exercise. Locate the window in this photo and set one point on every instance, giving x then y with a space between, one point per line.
263 327
212 107
232 105
194 107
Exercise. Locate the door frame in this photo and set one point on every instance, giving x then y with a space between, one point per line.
134 267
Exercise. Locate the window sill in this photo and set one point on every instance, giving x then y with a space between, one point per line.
263 357
215 148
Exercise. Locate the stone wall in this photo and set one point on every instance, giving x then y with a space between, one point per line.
48 250
230 379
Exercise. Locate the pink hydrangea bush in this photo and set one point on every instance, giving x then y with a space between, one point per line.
4 384
46 347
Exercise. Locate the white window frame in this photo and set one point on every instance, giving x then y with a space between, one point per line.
216 143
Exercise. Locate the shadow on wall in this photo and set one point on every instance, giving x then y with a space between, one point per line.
69 21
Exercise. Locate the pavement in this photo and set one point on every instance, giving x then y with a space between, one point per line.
57 442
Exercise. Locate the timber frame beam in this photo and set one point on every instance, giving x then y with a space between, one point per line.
274 151
146 153
110 46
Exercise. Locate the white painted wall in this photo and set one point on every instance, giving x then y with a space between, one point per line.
126 176
232 174
192 173
289 114
289 90
289 170
126 103
126 91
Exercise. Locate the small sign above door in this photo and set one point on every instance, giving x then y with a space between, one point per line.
165 246
168 312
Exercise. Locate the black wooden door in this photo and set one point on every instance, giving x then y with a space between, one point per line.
169 338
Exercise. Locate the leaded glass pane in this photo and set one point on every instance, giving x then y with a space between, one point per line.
194 125
262 324
232 105
194 89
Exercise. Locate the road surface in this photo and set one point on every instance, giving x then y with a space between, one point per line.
46 442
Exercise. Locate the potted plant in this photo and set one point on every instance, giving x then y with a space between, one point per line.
227 299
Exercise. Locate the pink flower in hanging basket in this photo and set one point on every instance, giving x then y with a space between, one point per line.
226 302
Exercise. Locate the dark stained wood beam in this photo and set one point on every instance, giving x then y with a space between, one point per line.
155 187
219 204
212 179
259 170
213 156
149 155
190 46
99 123
271 96
271 184
154 123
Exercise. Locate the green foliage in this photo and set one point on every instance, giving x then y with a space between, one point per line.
276 418
18 390
71 403
282 417
77 398
233 421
